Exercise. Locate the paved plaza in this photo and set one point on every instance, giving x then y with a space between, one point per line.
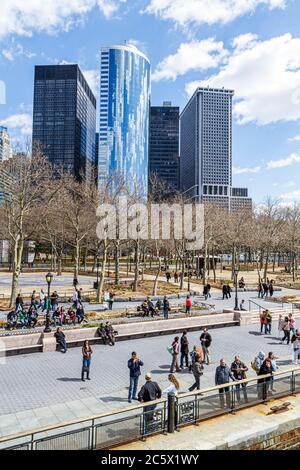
45 388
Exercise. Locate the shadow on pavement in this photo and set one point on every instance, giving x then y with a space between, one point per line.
108 399
68 379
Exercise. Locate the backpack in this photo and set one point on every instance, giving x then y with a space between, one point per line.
253 364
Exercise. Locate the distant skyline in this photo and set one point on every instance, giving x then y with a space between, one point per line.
250 46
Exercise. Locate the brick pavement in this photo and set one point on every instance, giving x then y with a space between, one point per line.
45 388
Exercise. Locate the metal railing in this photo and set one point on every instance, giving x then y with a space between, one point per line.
283 305
165 415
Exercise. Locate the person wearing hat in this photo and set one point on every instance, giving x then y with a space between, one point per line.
102 333
150 391
110 333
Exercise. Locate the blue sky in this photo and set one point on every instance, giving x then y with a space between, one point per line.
252 46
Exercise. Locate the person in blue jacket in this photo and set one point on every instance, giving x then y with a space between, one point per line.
134 366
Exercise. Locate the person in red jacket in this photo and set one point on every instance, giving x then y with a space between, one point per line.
188 306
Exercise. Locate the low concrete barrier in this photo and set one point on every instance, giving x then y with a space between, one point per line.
46 341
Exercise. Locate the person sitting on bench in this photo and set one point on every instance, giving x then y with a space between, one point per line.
60 339
102 333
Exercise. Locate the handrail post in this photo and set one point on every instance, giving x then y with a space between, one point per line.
93 435
232 404
171 413
32 442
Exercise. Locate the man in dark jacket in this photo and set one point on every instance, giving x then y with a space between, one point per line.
149 392
60 338
223 376
225 292
184 350
239 369
134 365
197 370
166 307
205 340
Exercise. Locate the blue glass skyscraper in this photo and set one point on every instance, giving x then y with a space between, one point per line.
124 116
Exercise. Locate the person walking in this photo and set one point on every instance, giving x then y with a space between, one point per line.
150 391
111 300
208 290
188 306
166 307
224 291
86 360
134 366
222 376
260 290
206 341
175 354
197 369
271 288
286 330
75 299
296 347
292 322
280 325
268 323
184 350
229 291
205 292
42 299
239 369
261 321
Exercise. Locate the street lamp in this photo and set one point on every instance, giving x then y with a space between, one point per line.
236 271
49 278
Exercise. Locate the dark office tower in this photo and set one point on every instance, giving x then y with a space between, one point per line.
64 118
206 150
164 146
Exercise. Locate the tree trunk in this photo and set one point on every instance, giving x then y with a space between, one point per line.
136 267
77 254
214 266
102 273
182 272
117 264
17 261
154 291
266 265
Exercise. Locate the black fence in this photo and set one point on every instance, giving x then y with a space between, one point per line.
138 422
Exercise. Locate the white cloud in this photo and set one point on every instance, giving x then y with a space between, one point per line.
15 50
26 17
93 79
293 195
240 171
265 76
195 55
189 12
21 122
294 139
284 162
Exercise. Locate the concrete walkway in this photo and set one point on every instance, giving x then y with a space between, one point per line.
41 389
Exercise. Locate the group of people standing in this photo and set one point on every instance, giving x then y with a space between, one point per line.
266 288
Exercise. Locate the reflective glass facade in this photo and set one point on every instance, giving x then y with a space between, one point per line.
164 145
124 116
64 118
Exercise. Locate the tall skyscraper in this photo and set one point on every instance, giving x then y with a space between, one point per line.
124 116
206 149
64 118
5 145
164 145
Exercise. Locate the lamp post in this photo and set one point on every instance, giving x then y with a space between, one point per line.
235 271
49 278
